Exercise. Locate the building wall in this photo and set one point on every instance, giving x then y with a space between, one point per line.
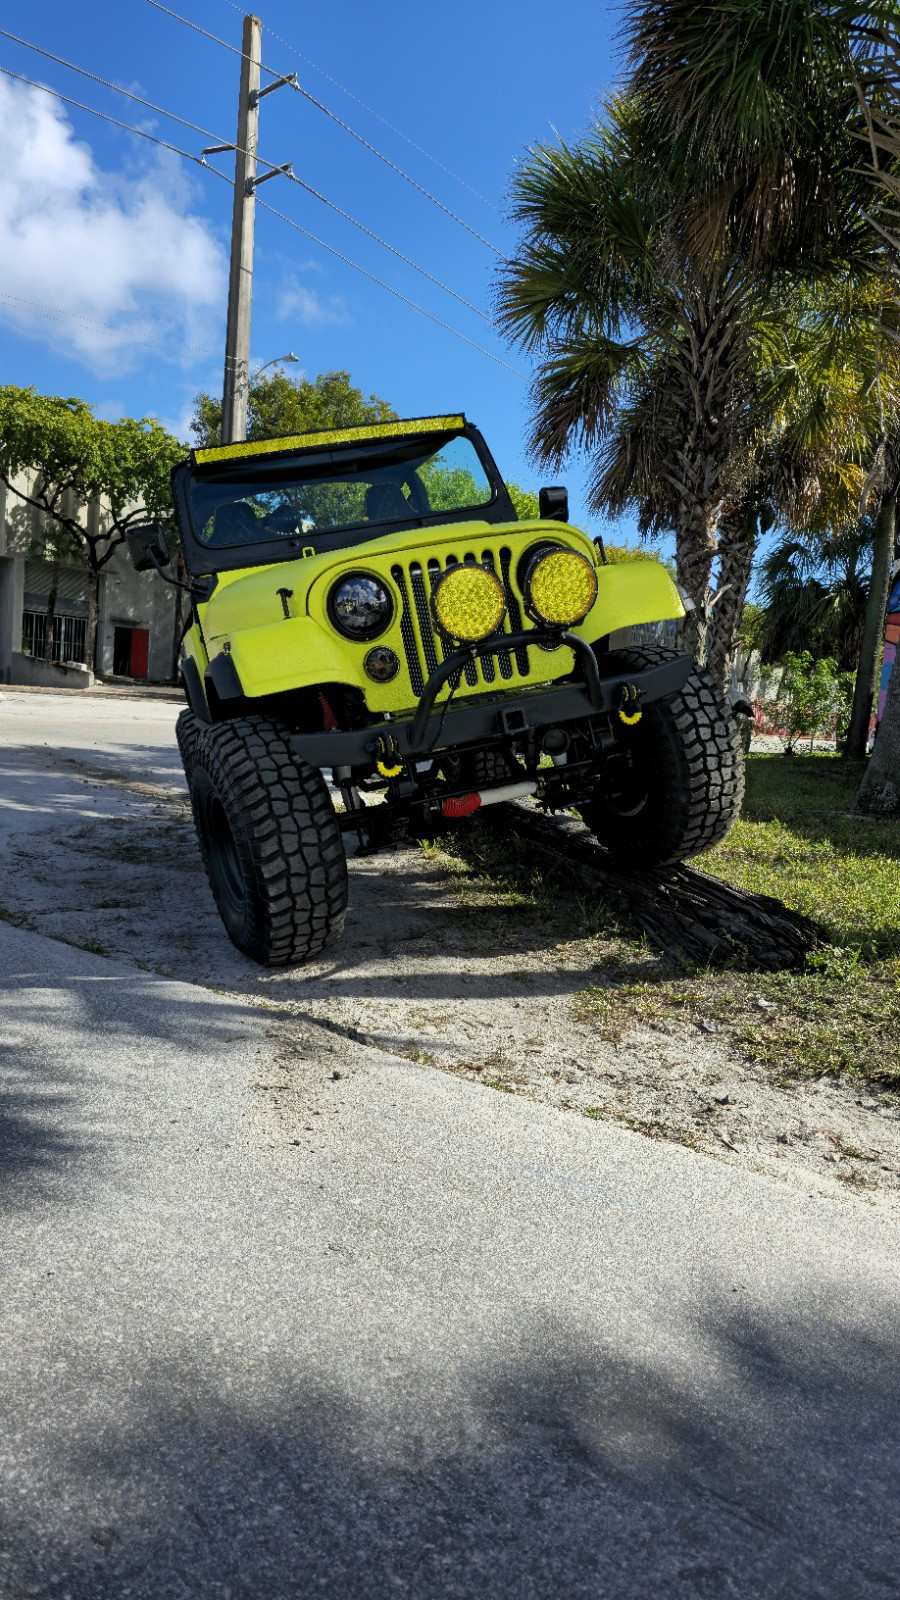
128 599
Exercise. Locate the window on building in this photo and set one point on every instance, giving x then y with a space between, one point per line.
69 636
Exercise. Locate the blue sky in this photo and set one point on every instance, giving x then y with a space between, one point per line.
107 232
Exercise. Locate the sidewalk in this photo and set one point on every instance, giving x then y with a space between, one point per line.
114 691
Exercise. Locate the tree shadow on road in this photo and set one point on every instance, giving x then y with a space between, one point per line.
764 1468
77 1033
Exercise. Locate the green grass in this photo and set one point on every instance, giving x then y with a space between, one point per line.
796 842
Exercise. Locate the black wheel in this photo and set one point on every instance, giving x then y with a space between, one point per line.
270 842
675 784
187 732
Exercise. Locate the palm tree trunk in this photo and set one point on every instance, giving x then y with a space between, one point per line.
737 542
873 632
695 546
879 792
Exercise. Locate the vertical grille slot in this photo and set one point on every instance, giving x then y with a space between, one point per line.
487 663
408 634
426 626
514 609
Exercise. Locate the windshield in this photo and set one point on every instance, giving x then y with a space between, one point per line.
395 480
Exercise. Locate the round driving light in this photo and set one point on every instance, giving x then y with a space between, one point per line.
360 606
561 587
382 664
469 603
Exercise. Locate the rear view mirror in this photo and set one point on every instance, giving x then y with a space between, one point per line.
554 504
147 547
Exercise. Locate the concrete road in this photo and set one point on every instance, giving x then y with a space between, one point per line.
427 1340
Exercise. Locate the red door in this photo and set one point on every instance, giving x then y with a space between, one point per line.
140 652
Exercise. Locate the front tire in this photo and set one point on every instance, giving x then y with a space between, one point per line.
187 732
674 787
270 842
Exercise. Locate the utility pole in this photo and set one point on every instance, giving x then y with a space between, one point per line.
240 281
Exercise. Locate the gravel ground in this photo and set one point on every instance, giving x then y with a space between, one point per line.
433 967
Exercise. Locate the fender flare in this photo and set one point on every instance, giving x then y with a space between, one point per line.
222 674
193 685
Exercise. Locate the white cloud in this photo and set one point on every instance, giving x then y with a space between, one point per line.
99 251
309 309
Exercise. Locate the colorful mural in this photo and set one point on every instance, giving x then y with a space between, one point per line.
891 641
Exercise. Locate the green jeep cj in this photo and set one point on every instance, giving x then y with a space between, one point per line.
365 601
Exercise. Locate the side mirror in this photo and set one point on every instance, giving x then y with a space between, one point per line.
147 547
554 504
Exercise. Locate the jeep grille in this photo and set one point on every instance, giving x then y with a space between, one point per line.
424 645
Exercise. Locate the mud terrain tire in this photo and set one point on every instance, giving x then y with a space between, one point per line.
270 842
187 732
682 789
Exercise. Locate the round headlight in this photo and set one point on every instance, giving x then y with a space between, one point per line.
561 586
469 603
360 606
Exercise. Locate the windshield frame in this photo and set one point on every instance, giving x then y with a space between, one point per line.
202 558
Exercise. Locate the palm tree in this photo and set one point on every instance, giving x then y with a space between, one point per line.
767 105
814 594
649 359
706 391
760 96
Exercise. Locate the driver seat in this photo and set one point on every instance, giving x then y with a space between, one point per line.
235 524
386 502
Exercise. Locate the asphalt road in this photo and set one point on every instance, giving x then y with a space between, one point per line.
449 1343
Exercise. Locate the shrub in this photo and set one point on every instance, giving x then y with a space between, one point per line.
805 697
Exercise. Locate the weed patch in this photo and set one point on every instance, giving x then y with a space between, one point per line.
841 1014
795 841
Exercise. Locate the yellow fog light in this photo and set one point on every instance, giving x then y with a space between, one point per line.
469 603
561 586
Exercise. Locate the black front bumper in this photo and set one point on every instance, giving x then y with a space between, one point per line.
488 717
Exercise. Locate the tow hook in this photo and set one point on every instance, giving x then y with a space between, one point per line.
387 756
629 704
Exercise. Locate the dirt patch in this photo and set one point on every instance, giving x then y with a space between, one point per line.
451 971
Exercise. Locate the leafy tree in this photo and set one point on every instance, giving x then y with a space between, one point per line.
91 479
812 695
279 406
751 630
618 554
53 547
525 501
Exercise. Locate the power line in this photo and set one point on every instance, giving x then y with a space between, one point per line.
341 124
53 313
398 253
187 156
207 134
399 170
117 88
105 117
370 109
396 292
